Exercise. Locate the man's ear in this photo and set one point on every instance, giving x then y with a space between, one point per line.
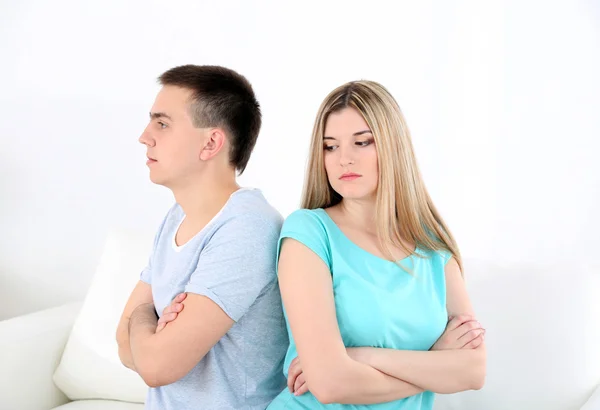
214 142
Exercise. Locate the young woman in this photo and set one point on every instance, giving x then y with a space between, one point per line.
370 275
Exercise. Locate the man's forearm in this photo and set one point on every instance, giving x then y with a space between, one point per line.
142 327
123 343
447 371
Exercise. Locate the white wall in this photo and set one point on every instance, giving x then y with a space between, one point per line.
502 99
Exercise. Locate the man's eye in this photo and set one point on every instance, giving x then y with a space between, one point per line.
162 124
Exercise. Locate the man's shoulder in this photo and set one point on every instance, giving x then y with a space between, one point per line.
249 208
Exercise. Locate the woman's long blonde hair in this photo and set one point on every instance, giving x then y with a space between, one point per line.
404 211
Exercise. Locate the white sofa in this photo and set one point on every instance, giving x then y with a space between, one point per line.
543 338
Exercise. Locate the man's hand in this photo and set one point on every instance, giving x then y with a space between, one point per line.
462 332
170 312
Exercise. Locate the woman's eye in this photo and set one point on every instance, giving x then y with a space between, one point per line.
330 147
363 143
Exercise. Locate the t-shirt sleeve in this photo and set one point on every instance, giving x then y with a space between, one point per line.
237 264
307 228
445 256
146 274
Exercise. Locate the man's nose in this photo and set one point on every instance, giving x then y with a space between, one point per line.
146 139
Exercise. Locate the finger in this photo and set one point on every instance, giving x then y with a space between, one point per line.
173 307
469 336
293 372
456 321
299 382
161 320
301 390
467 327
169 317
475 342
160 327
168 309
291 381
180 298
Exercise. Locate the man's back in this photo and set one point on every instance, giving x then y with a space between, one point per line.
231 262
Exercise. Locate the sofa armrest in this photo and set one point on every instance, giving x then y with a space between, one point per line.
30 350
593 402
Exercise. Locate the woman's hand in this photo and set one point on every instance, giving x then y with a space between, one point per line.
462 332
296 382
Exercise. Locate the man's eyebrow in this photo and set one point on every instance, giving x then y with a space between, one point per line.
156 115
356 134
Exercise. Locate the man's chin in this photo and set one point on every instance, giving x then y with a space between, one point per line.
155 179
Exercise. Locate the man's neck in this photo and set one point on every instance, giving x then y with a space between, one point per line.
204 197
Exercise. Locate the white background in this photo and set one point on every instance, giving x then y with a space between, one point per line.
502 99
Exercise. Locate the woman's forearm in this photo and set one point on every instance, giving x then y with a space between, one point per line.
353 382
382 389
444 371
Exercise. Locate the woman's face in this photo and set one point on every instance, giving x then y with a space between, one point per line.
350 155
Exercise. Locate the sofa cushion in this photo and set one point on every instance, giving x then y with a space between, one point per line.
30 349
541 320
100 405
542 335
90 367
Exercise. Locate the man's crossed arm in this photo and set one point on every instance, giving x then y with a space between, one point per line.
165 356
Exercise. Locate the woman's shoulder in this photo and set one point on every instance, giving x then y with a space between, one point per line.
435 259
308 227
305 219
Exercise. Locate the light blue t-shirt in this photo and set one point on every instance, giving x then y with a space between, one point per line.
377 303
232 262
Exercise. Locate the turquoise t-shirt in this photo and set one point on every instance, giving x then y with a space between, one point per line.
377 303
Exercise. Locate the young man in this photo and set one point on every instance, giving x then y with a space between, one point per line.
216 245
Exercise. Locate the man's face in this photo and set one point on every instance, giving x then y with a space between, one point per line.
172 142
